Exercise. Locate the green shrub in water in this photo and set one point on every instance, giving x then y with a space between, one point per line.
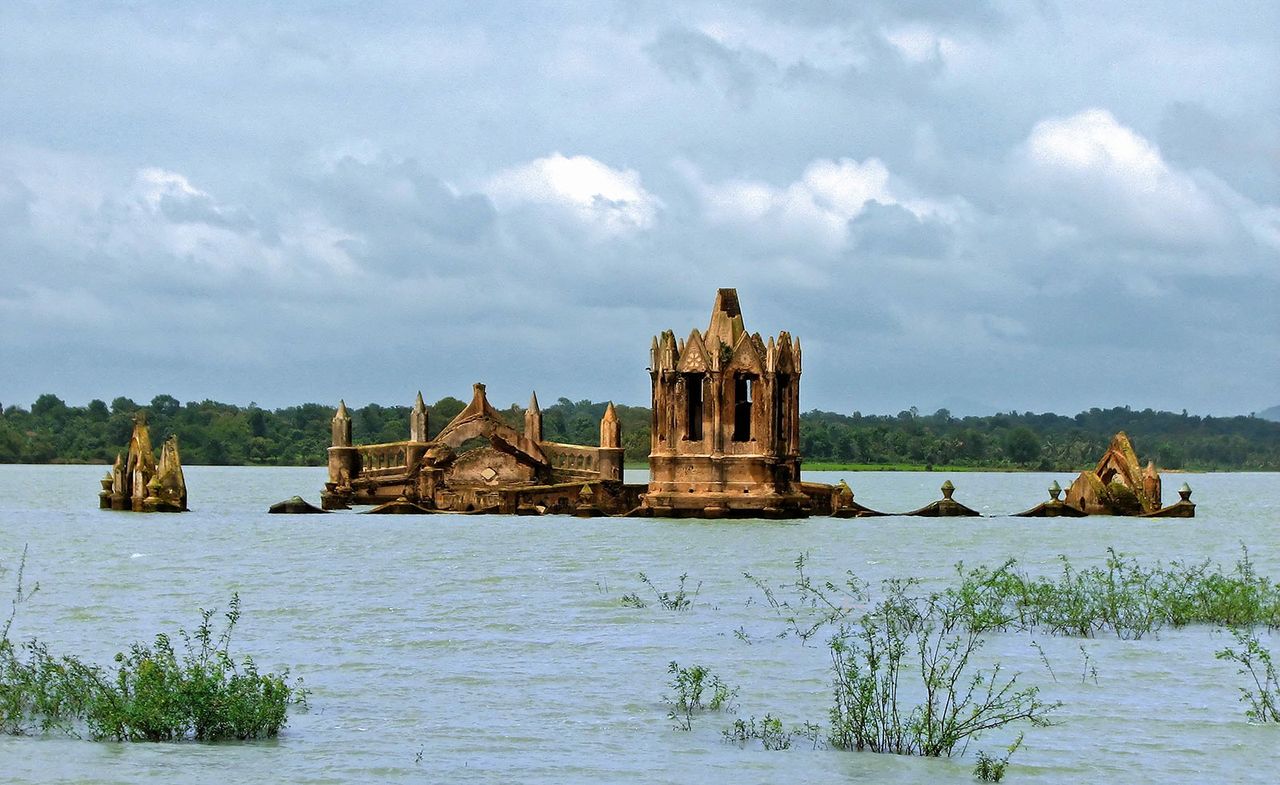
989 769
1262 694
689 685
678 600
905 638
154 693
1122 597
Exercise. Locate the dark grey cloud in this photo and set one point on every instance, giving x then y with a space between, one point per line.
201 208
892 230
1037 207
396 195
693 55
15 201
1243 152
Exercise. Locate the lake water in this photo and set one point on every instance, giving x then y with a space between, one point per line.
490 649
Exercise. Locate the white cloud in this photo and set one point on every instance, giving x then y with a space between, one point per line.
816 208
607 202
155 184
1101 169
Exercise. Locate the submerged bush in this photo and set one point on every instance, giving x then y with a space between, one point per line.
989 769
904 676
1262 694
905 682
678 600
1121 597
770 732
153 693
689 685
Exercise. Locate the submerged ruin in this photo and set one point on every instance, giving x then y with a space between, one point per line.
726 422
138 482
725 443
477 463
1119 485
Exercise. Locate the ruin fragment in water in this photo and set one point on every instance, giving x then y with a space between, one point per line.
138 483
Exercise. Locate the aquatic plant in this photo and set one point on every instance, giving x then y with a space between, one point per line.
678 600
770 732
1089 668
633 600
152 694
1262 695
929 637
989 769
806 606
1121 597
689 685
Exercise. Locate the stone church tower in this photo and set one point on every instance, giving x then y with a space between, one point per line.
726 421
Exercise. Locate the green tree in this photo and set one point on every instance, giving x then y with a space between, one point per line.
1021 445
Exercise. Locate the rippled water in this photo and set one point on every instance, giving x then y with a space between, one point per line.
491 649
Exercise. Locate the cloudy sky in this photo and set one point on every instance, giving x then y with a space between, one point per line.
1043 206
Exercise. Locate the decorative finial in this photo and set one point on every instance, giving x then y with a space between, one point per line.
1185 492
948 489
1055 490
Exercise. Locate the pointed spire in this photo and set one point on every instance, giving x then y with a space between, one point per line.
726 319
610 428
533 420
418 420
341 426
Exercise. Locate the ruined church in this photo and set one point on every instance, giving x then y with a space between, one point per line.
725 443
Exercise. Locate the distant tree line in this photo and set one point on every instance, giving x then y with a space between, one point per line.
1048 442
224 434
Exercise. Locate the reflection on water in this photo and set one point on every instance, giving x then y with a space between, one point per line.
497 648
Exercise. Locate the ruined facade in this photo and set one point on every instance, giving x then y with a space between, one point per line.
725 443
138 482
726 421
1118 485
478 463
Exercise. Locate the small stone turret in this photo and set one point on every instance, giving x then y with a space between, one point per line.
611 452
533 420
610 428
417 421
341 426
344 462
724 436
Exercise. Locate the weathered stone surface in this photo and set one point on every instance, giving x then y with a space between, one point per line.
1054 508
1118 485
295 505
509 471
1182 508
946 507
400 506
726 422
418 420
138 483
836 500
168 489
